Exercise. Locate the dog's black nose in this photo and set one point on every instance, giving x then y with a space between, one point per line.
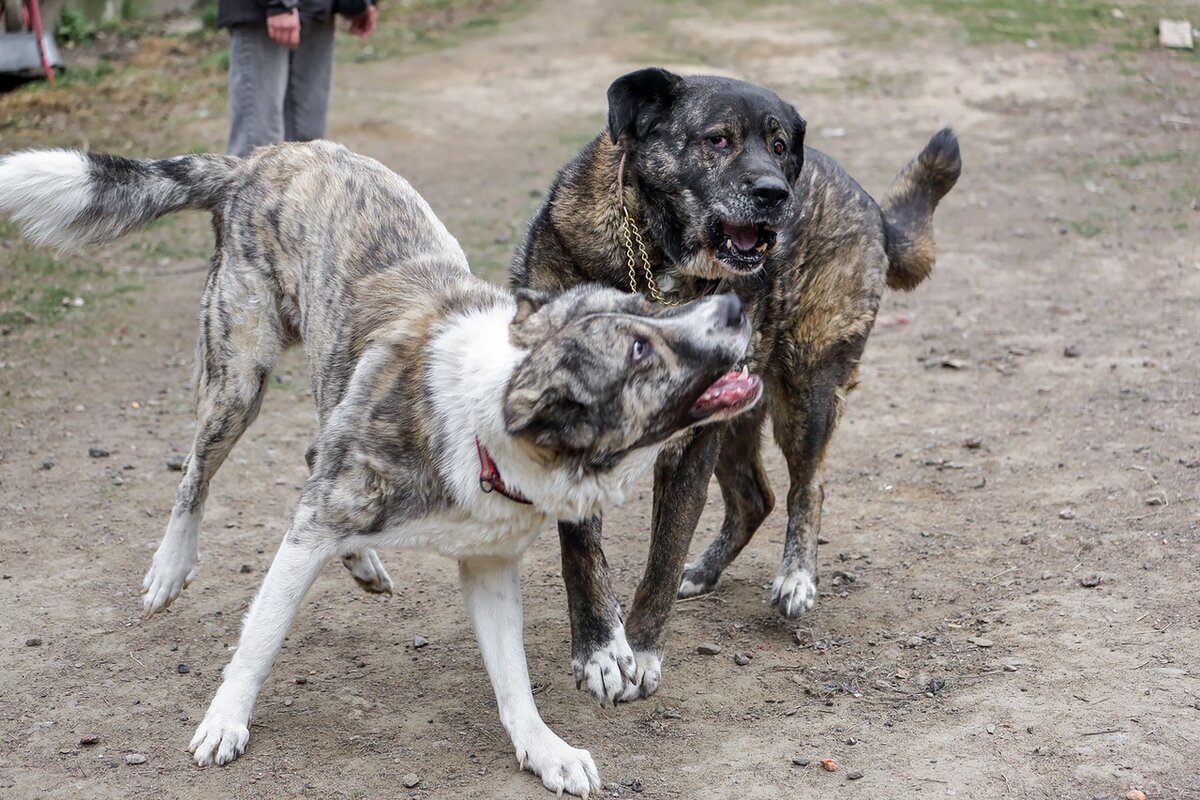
769 192
730 310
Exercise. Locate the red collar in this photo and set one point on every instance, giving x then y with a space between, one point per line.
490 480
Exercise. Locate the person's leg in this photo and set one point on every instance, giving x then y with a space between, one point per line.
258 72
310 77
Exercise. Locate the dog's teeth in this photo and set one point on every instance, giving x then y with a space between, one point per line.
728 243
761 247
745 372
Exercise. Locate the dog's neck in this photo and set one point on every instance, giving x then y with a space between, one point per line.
472 361
631 207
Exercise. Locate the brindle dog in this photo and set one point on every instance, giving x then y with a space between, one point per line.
711 175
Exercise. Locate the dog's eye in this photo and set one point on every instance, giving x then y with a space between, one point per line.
779 147
718 142
639 350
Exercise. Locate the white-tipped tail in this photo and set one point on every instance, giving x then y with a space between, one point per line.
45 192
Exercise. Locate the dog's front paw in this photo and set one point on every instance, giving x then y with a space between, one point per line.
170 572
607 670
794 592
696 580
368 571
649 672
220 738
561 767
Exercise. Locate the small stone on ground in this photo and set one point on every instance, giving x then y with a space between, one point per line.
410 780
135 758
709 649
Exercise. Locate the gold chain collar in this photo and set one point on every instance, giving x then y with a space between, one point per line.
631 234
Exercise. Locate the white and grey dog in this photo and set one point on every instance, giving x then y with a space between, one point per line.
452 416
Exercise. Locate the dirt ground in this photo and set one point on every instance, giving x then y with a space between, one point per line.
1028 424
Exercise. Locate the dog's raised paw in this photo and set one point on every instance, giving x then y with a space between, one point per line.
219 740
649 672
165 580
368 571
794 592
561 767
608 670
695 581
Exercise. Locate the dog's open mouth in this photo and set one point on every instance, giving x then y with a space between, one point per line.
740 247
729 394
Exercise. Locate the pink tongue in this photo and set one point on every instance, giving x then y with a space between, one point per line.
743 236
730 389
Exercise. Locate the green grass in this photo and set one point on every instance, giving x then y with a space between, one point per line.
35 280
1087 227
419 25
73 27
1169 157
1069 23
82 76
1187 194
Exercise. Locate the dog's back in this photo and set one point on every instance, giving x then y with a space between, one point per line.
314 242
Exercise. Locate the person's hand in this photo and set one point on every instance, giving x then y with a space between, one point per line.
284 29
363 25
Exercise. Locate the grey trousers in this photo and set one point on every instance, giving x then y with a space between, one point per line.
276 94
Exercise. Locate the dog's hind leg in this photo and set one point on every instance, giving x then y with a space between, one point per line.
222 735
241 339
492 589
806 412
748 501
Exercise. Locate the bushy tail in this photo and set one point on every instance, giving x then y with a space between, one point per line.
67 198
908 209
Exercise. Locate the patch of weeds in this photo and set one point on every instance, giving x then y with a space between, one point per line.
73 27
1087 227
217 61
1186 195
1169 157
85 76
207 11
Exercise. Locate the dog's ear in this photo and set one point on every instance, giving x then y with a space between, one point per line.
795 159
528 303
527 329
638 101
548 418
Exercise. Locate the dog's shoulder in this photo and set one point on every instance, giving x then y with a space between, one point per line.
572 237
